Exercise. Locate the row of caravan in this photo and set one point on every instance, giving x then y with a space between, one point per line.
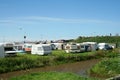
10 49
42 49
87 46
81 47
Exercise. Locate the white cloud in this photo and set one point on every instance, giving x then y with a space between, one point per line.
6 21
37 19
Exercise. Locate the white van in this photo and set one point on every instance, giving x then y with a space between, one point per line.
41 49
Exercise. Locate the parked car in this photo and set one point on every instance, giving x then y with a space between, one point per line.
104 46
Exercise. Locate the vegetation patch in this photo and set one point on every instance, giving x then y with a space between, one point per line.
108 67
51 76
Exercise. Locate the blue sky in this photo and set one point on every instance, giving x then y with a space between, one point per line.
57 19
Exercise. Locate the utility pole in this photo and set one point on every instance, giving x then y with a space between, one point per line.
24 35
25 39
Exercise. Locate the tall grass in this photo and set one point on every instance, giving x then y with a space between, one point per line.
22 62
107 68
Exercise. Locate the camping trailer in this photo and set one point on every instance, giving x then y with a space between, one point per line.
7 49
91 46
72 48
82 47
19 48
27 47
59 46
41 49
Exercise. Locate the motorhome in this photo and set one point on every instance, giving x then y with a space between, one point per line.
41 49
7 49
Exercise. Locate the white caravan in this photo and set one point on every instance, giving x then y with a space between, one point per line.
27 47
7 49
41 49
72 48
59 46
92 46
81 47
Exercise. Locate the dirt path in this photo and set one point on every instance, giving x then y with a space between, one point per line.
77 67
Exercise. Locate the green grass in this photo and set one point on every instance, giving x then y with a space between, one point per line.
51 76
22 62
108 67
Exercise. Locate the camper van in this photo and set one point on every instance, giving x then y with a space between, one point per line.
41 49
7 49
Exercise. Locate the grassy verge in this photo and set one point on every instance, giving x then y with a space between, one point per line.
51 76
108 67
28 61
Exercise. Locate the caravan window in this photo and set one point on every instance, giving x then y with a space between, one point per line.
8 49
46 48
82 46
29 46
39 48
